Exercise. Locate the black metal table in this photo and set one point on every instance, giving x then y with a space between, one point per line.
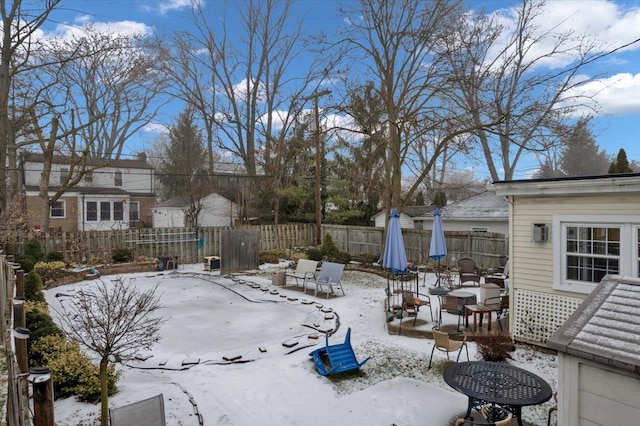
497 383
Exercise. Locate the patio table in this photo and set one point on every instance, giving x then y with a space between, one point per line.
486 382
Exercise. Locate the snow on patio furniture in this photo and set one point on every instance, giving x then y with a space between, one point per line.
148 412
340 357
305 269
329 276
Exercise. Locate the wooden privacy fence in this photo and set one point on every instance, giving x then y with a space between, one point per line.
190 245
489 250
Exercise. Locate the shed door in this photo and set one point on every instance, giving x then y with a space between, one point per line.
607 397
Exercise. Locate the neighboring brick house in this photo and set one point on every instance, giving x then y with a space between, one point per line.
117 196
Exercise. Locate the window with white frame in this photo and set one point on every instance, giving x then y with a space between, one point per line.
590 247
118 179
118 210
88 177
92 211
57 209
105 211
134 210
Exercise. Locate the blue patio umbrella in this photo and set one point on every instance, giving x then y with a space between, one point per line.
395 256
438 246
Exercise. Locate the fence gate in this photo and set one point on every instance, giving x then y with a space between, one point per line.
239 250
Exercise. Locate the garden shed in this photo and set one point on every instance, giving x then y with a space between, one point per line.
599 356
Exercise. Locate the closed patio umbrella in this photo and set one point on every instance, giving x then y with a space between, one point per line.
438 246
395 256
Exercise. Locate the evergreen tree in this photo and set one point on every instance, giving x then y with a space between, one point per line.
182 164
420 199
582 156
621 165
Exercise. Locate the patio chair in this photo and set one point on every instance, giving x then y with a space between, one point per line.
451 305
411 304
305 269
468 271
501 416
499 277
148 412
340 357
443 343
329 276
500 305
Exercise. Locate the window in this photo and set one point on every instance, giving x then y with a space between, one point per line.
479 229
105 210
590 249
92 211
57 209
118 210
88 177
64 175
118 179
592 252
134 211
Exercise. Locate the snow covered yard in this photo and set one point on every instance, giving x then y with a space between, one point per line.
211 319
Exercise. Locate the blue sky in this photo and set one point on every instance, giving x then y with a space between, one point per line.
617 124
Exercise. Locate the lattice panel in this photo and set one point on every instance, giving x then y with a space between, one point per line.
538 315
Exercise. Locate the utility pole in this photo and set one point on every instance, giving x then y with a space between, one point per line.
318 185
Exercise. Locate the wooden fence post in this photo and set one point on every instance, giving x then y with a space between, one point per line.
20 283
40 377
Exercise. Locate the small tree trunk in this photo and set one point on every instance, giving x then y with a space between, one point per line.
104 393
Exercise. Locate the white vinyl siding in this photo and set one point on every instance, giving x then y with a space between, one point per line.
533 264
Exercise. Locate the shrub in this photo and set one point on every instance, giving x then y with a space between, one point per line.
495 346
50 271
329 248
72 371
40 324
34 249
26 262
331 251
314 254
55 256
271 256
122 255
33 287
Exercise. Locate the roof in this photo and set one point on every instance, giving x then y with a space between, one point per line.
605 326
484 206
37 157
620 183
182 201
417 211
92 191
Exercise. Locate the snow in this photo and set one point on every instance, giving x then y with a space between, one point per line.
210 318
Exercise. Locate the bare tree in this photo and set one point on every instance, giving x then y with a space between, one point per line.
19 24
395 42
113 85
116 323
242 88
500 76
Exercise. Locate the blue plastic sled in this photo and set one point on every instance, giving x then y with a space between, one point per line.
341 357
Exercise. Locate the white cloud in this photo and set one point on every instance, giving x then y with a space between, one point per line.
76 29
170 5
156 128
605 23
615 95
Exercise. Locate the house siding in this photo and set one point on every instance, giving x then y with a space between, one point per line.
538 308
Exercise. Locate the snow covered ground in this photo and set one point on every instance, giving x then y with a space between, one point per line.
211 319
